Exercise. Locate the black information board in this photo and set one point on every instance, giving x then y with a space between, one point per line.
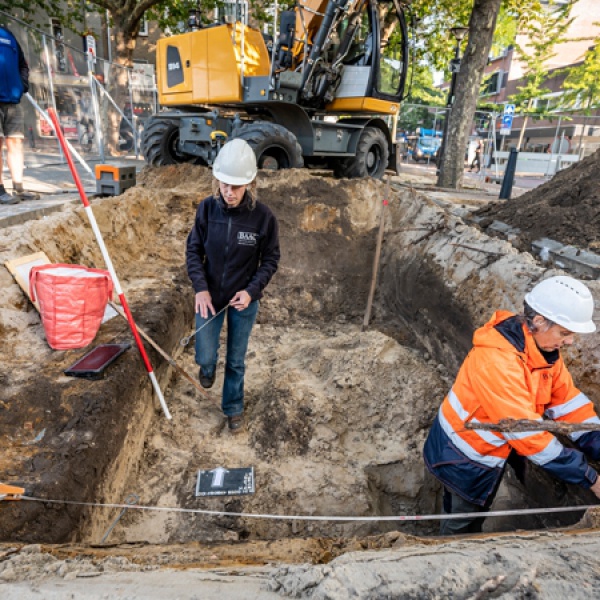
225 482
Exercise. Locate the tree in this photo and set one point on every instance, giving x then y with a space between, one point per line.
582 84
126 18
481 30
543 33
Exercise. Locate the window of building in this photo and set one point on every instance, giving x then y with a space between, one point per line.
144 27
59 48
493 83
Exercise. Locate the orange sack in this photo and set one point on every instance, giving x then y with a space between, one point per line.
72 301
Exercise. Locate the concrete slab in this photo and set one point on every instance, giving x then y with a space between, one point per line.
582 263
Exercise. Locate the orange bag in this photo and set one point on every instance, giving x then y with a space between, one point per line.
72 301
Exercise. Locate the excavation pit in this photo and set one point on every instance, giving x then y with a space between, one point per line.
336 416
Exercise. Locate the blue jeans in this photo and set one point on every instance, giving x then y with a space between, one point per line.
239 326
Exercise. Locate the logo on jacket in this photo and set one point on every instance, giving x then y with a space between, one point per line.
247 238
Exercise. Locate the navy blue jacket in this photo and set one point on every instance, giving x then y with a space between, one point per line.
232 249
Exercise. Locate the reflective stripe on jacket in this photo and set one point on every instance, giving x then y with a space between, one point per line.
506 376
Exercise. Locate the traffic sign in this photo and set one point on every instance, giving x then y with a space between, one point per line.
455 65
505 127
225 482
90 45
509 109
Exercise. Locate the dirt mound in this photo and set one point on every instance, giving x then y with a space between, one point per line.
336 416
565 209
72 438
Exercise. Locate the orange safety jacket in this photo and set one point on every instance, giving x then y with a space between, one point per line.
505 375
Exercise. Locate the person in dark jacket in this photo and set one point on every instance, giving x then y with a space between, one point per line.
515 371
14 82
477 158
232 253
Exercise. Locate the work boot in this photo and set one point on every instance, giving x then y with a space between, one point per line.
7 198
205 380
23 195
235 423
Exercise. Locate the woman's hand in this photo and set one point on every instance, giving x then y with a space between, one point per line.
241 300
204 304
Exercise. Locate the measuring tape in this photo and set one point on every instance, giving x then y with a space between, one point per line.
219 513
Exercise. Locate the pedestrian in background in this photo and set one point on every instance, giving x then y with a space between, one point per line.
232 253
13 84
515 371
477 159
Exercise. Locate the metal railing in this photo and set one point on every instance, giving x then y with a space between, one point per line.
547 145
102 106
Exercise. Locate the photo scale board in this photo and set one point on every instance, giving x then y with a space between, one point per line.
225 482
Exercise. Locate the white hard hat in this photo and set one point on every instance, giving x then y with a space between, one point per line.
236 163
566 301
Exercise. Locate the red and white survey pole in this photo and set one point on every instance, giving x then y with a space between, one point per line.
107 260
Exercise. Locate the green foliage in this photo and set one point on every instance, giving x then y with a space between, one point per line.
433 20
582 84
543 32
506 30
422 89
435 44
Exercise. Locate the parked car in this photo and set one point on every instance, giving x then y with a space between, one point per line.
426 148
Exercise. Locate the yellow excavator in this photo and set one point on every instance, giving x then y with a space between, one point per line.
322 91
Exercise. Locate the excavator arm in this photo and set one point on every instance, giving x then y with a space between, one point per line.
319 38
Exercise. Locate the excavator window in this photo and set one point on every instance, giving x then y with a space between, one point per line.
285 43
392 59
360 50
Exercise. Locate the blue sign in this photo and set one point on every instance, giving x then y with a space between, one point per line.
509 109
507 121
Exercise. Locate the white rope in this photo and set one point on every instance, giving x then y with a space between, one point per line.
218 513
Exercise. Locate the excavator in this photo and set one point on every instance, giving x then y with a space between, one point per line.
323 91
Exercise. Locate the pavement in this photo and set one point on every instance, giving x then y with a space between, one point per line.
483 181
50 176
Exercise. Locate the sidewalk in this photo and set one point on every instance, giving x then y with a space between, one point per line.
54 183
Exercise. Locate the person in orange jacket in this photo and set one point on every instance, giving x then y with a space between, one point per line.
515 371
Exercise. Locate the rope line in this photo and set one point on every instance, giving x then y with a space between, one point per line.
219 513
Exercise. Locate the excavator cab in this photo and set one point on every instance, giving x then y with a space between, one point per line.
321 94
347 52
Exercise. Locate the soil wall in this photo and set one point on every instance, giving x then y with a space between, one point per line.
337 417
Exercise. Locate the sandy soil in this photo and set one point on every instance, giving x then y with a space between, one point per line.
336 416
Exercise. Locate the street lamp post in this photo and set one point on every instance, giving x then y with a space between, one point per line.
459 33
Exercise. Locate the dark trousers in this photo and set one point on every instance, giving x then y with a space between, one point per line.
454 504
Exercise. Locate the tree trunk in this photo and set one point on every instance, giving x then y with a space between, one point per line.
118 85
524 126
481 30
522 133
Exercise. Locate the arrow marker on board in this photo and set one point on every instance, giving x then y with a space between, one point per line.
218 476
